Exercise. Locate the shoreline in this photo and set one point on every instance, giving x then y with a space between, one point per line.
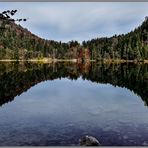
46 60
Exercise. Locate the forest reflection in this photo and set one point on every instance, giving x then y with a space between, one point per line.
16 78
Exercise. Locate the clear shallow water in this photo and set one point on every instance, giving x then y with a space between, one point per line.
61 111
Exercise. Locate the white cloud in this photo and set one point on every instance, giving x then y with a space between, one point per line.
79 21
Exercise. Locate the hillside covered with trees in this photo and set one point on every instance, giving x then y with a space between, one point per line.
133 45
18 43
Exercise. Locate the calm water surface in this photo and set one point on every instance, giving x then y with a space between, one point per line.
57 104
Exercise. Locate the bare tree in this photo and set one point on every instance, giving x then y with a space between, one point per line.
6 18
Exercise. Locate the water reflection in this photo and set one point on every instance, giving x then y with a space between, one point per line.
16 78
102 100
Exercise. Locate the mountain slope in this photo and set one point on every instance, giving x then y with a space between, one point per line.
17 42
133 45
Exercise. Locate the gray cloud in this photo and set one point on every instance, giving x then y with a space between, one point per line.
79 21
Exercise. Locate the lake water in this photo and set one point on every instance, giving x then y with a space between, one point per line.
57 104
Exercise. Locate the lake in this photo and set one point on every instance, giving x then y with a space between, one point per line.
56 104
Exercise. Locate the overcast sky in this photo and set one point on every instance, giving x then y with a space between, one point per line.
80 20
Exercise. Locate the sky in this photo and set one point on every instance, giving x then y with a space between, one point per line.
65 21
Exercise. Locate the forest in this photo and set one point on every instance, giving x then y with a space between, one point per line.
19 43
133 45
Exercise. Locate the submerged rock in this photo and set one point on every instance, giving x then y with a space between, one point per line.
89 141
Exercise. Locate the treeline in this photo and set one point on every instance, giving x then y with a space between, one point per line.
133 45
18 43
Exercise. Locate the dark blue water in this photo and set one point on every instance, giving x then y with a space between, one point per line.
59 112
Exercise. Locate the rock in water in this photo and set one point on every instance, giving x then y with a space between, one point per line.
89 141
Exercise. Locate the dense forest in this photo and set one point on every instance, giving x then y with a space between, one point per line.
18 43
16 78
133 45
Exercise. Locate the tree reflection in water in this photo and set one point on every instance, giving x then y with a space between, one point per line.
16 78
